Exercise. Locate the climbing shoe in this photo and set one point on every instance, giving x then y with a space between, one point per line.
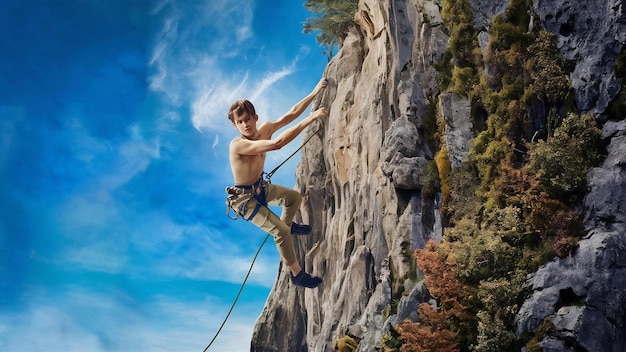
297 229
305 280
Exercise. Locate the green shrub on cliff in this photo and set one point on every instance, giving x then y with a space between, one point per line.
561 162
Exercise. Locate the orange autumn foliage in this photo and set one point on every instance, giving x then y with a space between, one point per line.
435 331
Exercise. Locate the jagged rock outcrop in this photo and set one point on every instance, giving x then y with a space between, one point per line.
590 35
605 203
361 178
582 296
484 10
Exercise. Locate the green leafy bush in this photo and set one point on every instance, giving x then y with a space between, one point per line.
463 201
457 16
481 254
544 74
463 80
562 161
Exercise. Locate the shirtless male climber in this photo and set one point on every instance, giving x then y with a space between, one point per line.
250 195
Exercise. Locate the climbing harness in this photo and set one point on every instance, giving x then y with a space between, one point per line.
257 190
240 195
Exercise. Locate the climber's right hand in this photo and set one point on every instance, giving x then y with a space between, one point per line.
318 114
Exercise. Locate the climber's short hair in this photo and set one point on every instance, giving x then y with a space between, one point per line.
239 107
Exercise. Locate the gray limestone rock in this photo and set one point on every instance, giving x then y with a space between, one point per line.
456 114
584 296
590 35
404 155
484 10
606 203
407 308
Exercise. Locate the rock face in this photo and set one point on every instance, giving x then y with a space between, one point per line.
361 178
584 296
361 182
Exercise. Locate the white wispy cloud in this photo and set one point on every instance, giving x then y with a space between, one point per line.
161 81
177 51
271 78
214 94
97 321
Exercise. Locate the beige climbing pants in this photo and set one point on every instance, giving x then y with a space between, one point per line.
266 220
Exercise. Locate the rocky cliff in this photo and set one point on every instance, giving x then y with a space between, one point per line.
362 175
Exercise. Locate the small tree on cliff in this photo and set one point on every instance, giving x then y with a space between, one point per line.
334 20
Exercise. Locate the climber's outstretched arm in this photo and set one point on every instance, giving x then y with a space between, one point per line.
296 110
253 147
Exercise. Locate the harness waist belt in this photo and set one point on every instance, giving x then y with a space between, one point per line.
244 189
243 186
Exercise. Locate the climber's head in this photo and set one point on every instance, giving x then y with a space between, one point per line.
243 117
240 107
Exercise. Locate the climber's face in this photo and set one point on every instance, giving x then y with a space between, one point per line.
246 124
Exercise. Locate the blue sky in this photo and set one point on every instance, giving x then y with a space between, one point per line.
113 163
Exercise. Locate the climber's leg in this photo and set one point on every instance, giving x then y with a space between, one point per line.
270 223
290 200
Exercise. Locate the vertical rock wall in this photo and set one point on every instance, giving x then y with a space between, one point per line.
361 178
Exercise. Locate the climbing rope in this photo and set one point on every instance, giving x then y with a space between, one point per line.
238 294
268 179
